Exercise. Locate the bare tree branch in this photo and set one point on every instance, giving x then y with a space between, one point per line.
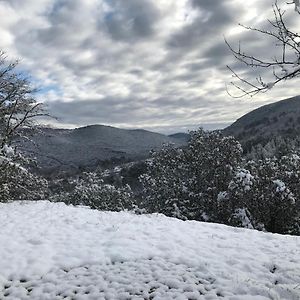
18 107
284 67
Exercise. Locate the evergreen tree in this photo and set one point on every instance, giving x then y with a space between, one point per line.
272 201
165 183
186 182
212 160
208 180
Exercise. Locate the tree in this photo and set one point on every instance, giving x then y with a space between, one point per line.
274 196
18 106
18 111
282 67
233 203
164 184
213 160
186 183
210 181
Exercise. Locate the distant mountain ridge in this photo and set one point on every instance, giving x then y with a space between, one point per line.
185 137
281 118
86 147
90 146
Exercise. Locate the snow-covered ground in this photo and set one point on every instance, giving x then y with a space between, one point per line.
53 251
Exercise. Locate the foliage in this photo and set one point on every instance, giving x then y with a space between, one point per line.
185 182
264 191
275 193
90 190
165 183
16 182
208 180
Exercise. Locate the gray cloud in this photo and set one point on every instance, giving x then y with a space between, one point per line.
137 63
213 17
131 20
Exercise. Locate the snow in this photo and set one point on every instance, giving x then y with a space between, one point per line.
8 150
269 85
245 178
53 251
280 186
222 196
5 153
242 214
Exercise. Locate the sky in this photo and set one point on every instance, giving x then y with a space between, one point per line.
152 64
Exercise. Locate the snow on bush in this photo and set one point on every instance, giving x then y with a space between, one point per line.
90 190
16 181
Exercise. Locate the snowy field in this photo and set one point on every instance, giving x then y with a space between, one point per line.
53 251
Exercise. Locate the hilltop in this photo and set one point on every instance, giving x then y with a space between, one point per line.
91 146
281 118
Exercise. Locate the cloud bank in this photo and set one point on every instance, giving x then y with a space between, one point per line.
136 63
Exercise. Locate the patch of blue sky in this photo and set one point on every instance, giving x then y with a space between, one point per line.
41 87
45 89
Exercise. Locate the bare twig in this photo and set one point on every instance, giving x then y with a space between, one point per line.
282 68
18 107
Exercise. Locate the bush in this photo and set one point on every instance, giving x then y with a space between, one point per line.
16 182
91 191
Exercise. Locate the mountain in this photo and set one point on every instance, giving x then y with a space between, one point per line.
185 137
90 146
281 118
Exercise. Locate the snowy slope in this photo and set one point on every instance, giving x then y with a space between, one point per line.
53 251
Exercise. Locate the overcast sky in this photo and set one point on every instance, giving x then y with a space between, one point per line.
155 64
